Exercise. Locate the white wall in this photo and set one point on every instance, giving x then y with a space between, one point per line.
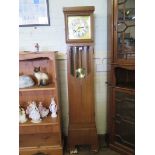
52 38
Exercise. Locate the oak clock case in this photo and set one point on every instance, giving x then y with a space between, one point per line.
80 52
121 75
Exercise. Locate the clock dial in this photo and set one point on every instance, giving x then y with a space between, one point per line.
79 27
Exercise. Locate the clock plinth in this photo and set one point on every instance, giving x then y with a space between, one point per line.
81 135
80 68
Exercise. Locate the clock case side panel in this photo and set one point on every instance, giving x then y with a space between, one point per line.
71 12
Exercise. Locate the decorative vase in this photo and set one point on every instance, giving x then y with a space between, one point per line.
22 115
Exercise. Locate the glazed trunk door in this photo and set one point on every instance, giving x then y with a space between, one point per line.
124 118
124 31
80 85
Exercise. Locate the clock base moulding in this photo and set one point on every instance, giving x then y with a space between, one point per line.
80 135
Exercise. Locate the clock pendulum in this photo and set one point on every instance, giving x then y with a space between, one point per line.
79 29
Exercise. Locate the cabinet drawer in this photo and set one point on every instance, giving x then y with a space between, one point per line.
38 129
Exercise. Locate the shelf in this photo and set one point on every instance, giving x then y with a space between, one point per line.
120 20
125 88
30 141
28 55
45 121
38 88
47 125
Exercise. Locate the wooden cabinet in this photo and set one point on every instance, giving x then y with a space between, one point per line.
44 137
121 75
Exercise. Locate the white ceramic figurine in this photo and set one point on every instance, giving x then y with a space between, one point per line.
25 81
33 112
43 111
22 115
53 108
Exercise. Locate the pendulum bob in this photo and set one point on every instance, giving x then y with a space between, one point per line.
80 73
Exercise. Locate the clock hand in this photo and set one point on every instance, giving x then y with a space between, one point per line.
80 27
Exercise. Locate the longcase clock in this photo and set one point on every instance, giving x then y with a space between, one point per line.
79 29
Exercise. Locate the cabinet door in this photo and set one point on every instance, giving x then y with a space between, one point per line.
124 31
124 118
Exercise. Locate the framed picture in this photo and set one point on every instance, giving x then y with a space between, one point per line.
34 13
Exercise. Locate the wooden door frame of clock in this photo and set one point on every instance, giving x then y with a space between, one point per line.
79 11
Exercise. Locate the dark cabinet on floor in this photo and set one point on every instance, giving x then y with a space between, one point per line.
121 75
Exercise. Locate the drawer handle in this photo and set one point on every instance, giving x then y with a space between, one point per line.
40 153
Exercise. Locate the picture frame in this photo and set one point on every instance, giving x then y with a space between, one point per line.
34 13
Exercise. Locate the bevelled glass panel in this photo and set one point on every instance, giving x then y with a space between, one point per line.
121 27
125 106
126 29
125 133
125 118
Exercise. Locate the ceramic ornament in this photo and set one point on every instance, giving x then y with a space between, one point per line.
25 81
42 78
53 108
33 112
22 115
43 111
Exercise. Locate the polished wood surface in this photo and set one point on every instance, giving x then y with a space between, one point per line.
46 151
44 136
79 9
36 88
46 121
47 125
